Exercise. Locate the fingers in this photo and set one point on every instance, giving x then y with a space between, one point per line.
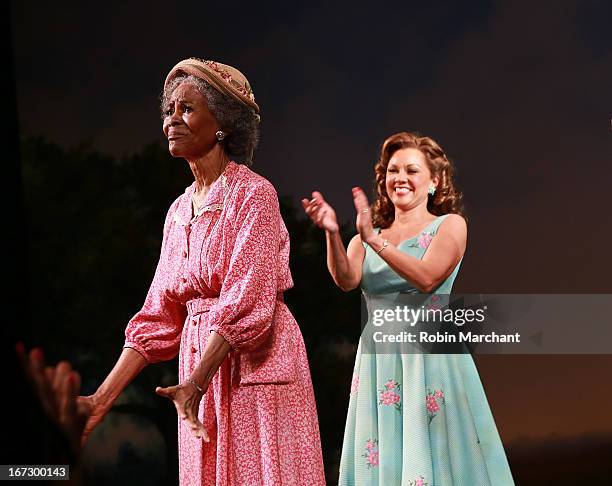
90 425
62 371
75 381
199 431
62 393
194 423
311 208
192 406
171 393
66 400
359 199
168 392
50 374
317 200
310 205
43 388
57 389
86 410
84 406
36 364
319 215
318 196
187 403
180 412
86 431
319 210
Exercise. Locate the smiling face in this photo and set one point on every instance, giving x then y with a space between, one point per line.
188 124
408 178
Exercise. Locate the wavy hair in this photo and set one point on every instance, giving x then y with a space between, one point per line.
447 199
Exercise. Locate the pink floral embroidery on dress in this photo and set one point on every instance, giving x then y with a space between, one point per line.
425 239
432 402
420 481
434 302
355 383
371 454
389 395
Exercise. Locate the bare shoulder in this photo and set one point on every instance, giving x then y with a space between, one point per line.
356 243
355 240
356 252
454 224
454 221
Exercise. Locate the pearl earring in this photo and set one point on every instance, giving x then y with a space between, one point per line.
220 135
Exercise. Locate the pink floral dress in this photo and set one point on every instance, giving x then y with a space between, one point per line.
225 269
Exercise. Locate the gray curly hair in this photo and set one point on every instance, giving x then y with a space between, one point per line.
239 121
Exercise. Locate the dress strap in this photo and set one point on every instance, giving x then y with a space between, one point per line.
435 224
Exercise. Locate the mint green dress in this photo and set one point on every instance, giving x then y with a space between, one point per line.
418 419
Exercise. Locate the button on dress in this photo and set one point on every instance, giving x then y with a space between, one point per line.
225 269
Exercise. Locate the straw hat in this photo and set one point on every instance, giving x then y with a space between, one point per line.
222 77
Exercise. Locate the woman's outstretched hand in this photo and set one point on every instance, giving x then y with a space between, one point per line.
321 213
364 216
186 398
96 409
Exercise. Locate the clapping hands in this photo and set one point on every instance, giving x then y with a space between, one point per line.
324 216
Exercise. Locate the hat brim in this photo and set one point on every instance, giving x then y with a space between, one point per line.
203 71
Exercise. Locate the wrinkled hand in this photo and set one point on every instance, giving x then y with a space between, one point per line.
96 410
186 399
364 215
321 213
57 389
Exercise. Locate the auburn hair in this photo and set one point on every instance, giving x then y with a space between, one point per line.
447 199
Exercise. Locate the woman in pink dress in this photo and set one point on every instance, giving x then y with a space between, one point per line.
246 407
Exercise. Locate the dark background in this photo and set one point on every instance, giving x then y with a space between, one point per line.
517 92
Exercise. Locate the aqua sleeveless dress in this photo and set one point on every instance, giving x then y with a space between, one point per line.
418 419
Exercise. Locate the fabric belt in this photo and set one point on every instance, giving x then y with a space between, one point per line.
203 304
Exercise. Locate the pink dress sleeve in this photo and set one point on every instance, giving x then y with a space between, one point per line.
155 331
243 314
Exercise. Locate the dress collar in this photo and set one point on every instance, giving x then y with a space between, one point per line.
215 198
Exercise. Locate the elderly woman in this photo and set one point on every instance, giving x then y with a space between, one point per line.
245 402
414 418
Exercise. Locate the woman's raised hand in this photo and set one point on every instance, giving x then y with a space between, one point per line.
57 388
321 213
186 398
364 216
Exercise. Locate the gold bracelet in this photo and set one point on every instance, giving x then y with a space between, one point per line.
198 387
385 245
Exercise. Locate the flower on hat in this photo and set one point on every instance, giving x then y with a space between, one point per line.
245 89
